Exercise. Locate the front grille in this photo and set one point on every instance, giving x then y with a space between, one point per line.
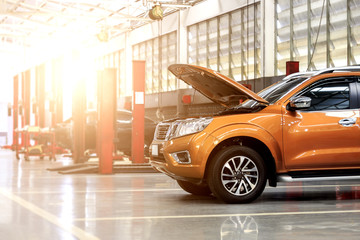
162 131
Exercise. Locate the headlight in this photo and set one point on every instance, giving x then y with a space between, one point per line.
189 126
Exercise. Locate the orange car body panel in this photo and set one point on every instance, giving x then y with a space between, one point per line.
222 128
337 147
289 135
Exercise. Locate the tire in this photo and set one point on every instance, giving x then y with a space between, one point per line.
237 174
201 190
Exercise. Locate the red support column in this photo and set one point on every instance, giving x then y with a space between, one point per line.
57 92
138 124
25 96
79 121
106 115
15 111
35 100
40 95
21 108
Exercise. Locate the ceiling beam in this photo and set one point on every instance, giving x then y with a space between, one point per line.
72 16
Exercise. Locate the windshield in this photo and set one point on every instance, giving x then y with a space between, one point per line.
274 92
279 89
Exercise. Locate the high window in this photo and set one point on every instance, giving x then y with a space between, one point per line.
115 60
229 44
158 53
317 33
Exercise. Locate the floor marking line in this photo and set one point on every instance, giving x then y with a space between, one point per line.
215 215
68 227
314 186
176 189
103 191
95 175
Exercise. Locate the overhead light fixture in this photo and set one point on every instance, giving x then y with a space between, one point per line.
156 13
103 36
176 5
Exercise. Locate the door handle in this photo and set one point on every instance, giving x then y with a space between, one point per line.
347 122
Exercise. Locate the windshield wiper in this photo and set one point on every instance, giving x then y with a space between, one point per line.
241 109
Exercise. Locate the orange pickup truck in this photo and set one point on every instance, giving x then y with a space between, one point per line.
302 128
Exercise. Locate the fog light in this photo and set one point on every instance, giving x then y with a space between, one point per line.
182 157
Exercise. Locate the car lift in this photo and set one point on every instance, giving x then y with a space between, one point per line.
105 128
138 124
22 109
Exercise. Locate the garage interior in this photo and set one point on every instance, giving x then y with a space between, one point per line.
84 84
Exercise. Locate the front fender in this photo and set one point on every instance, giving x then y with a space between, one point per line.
241 130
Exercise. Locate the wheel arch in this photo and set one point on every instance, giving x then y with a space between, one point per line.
256 145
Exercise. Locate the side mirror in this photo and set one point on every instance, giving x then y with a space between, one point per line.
299 103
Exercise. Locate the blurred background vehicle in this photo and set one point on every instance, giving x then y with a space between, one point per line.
123 131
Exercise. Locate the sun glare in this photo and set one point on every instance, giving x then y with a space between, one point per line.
79 69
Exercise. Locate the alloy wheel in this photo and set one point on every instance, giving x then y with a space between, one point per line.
239 175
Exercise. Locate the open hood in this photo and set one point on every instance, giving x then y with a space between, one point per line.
214 85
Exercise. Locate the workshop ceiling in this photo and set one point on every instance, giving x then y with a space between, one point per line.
29 23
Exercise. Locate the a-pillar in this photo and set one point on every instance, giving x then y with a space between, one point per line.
138 124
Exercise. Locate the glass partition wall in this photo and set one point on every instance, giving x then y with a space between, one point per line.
158 53
317 33
229 44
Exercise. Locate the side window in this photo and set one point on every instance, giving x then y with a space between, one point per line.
330 96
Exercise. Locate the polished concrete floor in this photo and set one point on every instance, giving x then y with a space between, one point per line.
41 204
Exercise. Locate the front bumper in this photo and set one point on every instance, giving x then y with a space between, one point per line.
197 146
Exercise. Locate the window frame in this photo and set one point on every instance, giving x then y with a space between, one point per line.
353 91
357 92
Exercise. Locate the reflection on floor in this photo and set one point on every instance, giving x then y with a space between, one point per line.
40 204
